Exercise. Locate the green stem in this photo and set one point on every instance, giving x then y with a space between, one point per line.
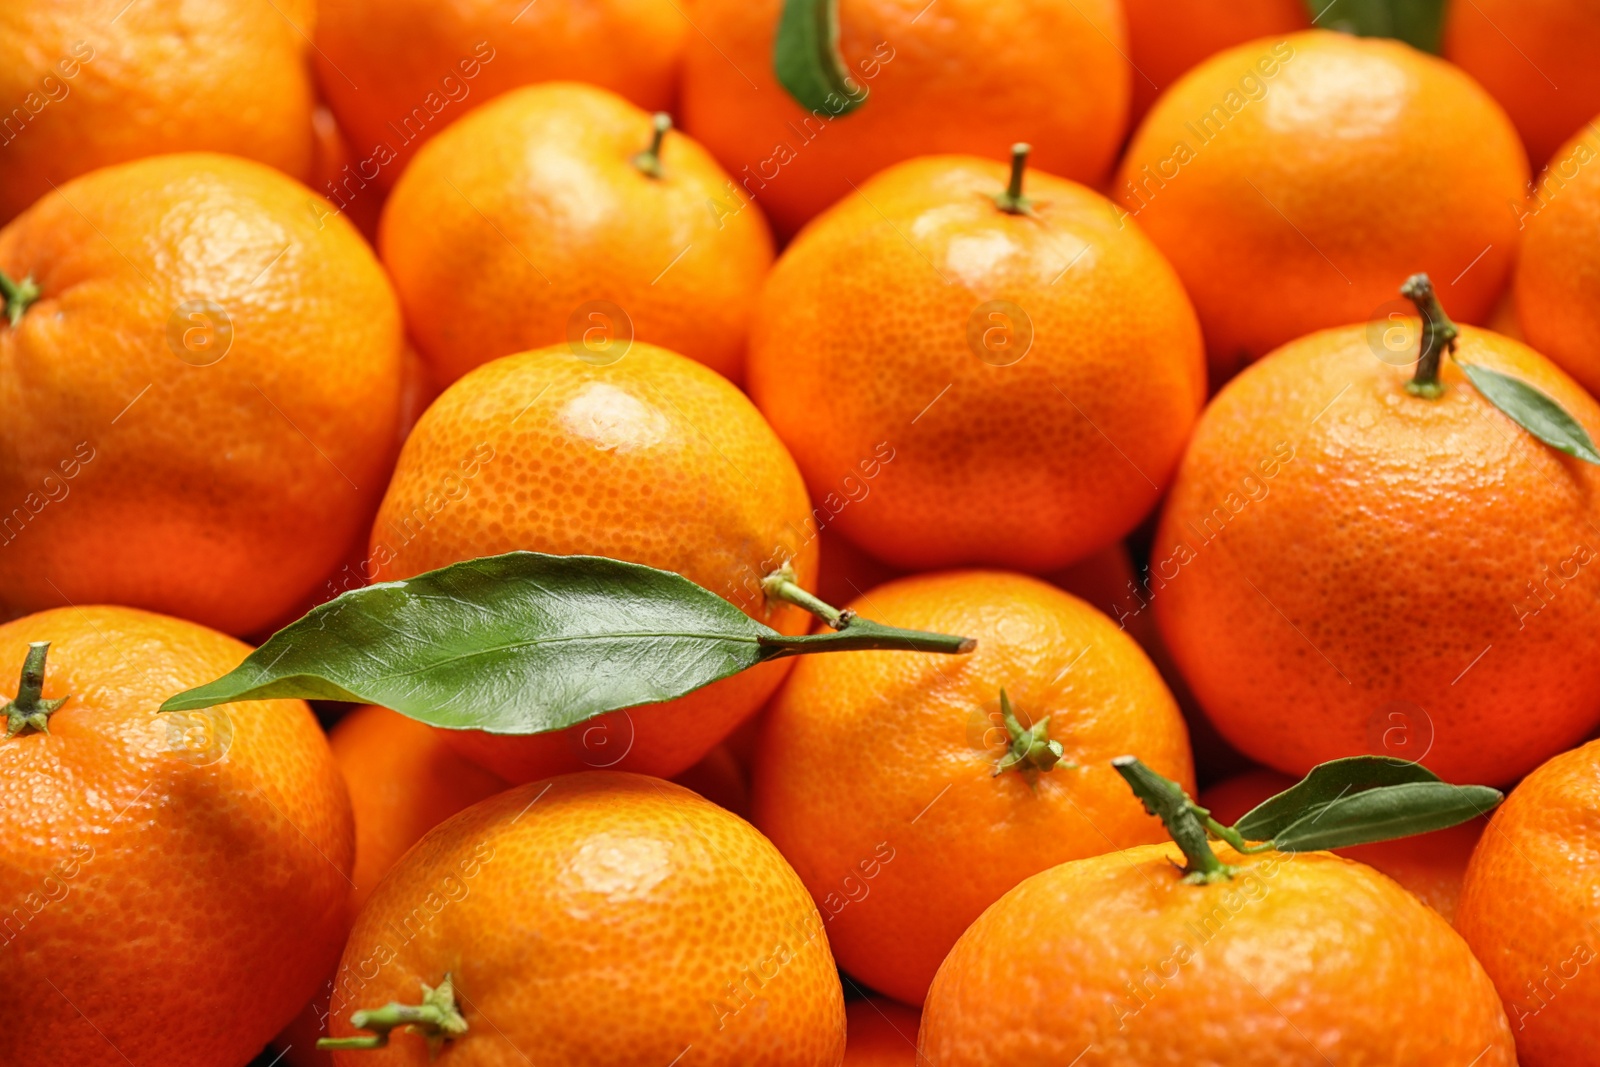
851 633
1012 201
1229 834
1166 800
30 711
649 161
1438 336
18 295
1030 749
437 1019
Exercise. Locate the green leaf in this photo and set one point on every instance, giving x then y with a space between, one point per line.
525 643
806 59
1385 813
1326 783
1419 23
1533 410
519 643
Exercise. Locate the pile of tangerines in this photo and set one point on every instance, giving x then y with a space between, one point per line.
800 532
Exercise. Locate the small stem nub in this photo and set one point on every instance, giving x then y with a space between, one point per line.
1012 201
18 295
1438 335
649 161
437 1019
30 711
1184 819
1029 749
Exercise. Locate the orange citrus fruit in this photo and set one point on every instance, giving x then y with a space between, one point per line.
86 85
396 72
1533 56
1297 961
880 1033
654 459
657 911
403 780
1295 182
961 76
1557 282
1430 865
193 860
1529 908
534 221
1167 37
203 396
980 384
877 771
1343 567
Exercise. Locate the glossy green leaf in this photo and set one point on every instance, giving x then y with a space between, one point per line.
1419 23
1533 410
524 643
1385 813
806 59
1326 783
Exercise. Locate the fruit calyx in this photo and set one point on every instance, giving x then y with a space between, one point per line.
18 295
437 1019
852 632
1030 748
30 711
1439 336
1185 820
1012 202
649 161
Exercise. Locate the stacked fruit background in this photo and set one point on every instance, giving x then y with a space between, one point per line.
712 533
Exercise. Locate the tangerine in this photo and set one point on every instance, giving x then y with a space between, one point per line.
990 372
220 837
557 213
653 459
1347 567
1297 961
659 912
1557 281
1529 906
1532 56
180 368
1294 182
882 774
86 86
